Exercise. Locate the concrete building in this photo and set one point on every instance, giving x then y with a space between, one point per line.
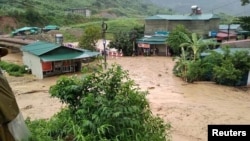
153 45
81 11
195 22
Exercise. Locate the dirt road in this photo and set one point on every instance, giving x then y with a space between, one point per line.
188 107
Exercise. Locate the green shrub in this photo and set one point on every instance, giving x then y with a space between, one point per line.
208 63
226 74
227 68
13 69
103 105
224 68
194 71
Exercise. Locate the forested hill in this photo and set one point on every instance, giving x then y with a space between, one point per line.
229 7
128 8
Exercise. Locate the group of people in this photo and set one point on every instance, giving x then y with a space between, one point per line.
12 125
149 51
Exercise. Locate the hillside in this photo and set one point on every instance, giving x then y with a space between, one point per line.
127 8
229 7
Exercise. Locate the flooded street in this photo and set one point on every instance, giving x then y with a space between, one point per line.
188 107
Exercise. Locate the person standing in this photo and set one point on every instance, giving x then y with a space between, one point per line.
12 126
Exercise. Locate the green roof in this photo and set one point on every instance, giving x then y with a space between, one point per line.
23 29
232 26
68 56
55 52
232 50
40 47
51 27
153 40
183 17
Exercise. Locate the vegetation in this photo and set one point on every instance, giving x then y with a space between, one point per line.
244 2
90 37
225 18
125 41
232 68
102 105
223 68
115 26
13 69
37 13
244 22
176 38
195 44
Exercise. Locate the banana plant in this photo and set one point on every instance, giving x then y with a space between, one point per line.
195 43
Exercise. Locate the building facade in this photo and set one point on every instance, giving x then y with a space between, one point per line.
201 24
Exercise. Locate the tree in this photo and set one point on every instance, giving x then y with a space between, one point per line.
33 17
244 2
181 65
90 37
123 43
244 22
102 106
195 44
134 34
175 38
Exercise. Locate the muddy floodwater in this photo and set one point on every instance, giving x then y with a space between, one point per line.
188 107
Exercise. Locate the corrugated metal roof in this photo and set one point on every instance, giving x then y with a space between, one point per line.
224 35
51 27
40 47
153 40
232 26
23 29
55 52
232 50
183 17
68 56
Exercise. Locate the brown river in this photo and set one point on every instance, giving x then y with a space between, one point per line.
189 108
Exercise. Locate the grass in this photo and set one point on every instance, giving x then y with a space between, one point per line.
115 25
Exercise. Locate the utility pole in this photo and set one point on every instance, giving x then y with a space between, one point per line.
133 38
228 32
104 29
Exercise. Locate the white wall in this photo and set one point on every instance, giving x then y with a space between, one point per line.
34 63
248 80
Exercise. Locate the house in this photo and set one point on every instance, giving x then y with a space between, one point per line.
195 22
153 45
80 11
202 24
230 27
232 32
46 59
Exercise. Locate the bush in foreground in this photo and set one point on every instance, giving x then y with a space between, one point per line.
13 69
102 106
